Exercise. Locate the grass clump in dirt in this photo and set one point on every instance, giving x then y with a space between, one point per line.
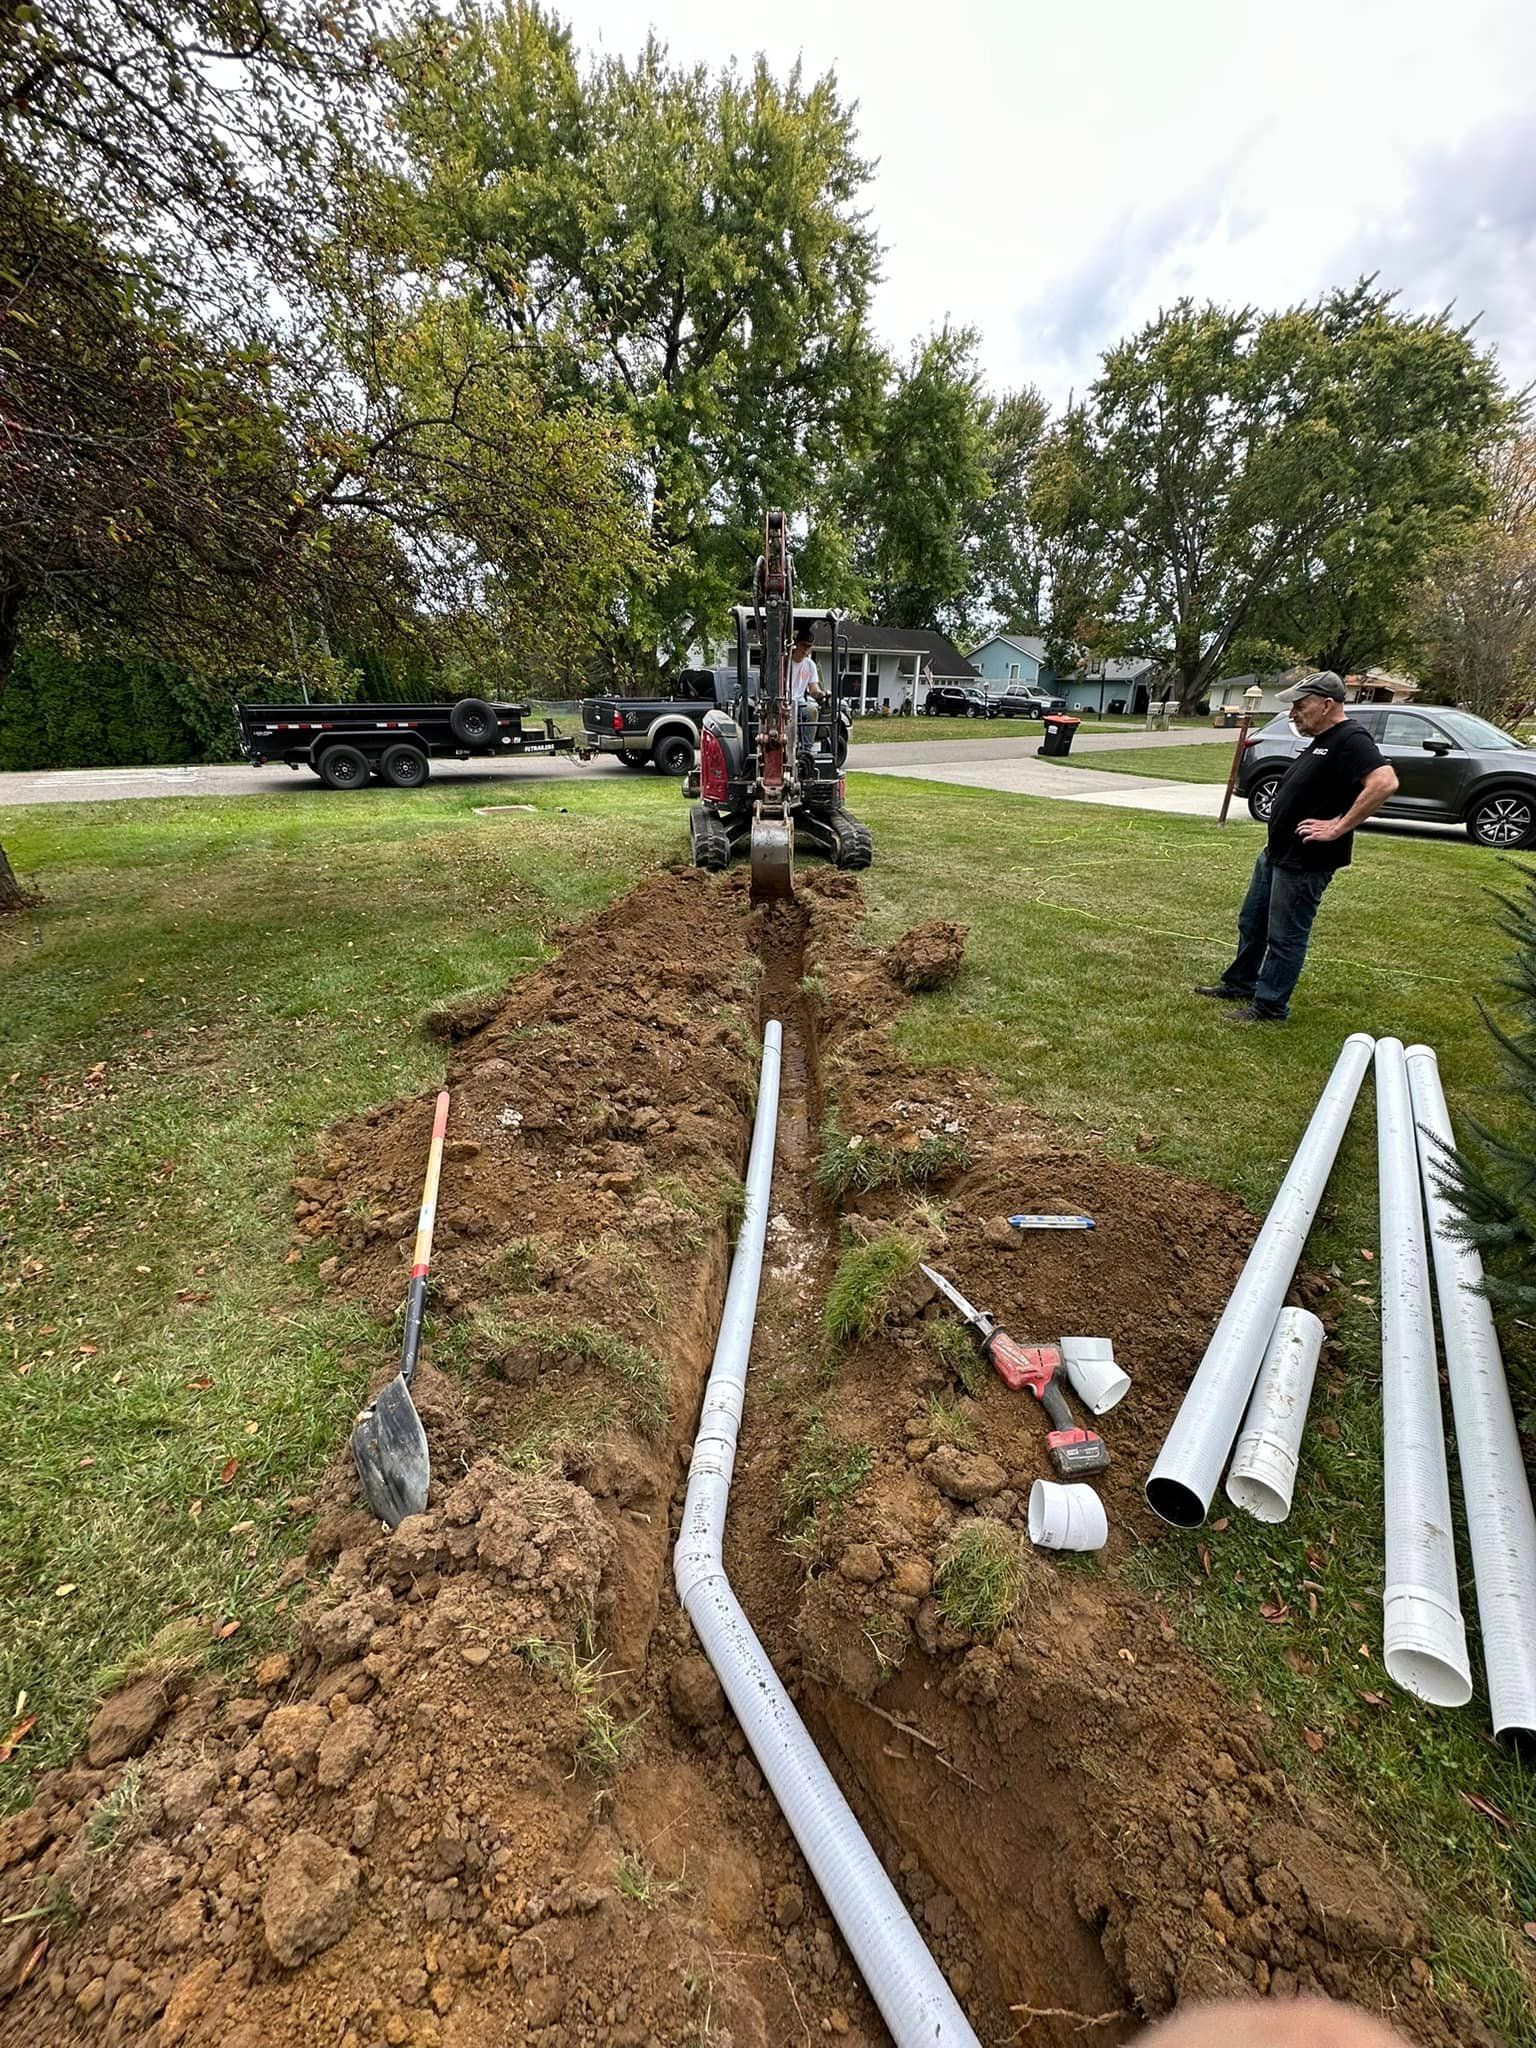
948 1423
172 1654
867 1277
826 1473
981 1578
956 1353
634 1878
520 1267
857 1165
638 1377
116 1815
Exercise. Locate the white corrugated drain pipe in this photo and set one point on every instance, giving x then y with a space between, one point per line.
903 1979
1424 1645
1501 1525
1195 1448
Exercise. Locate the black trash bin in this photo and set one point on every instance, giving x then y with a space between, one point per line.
1058 734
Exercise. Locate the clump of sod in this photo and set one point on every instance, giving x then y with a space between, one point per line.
867 1276
981 1577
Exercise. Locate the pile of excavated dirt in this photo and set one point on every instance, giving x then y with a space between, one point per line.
491 1793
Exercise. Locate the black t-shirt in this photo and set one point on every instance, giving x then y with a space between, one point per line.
1322 783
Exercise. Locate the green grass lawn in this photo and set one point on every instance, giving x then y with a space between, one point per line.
1208 763
888 730
210 982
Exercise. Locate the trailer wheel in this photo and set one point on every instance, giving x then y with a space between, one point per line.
673 754
472 722
342 767
404 766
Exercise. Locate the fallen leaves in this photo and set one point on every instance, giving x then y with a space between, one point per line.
1372 1699
1487 1808
1275 1611
1204 1555
17 1737
1315 1742
224 1631
200 1385
230 1468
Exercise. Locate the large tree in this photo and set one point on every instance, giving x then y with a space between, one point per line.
917 502
1285 475
318 442
1476 611
685 250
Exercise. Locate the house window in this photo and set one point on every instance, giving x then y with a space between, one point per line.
1013 671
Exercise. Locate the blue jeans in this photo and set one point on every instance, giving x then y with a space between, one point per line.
1273 927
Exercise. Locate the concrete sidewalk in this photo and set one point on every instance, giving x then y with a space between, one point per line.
1027 775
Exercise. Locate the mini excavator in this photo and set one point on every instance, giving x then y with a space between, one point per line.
768 769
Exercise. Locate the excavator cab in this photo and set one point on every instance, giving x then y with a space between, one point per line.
769 770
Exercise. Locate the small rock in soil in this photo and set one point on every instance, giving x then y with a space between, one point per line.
788 1905
309 1899
545 2001
124 1723
343 1747
962 1476
185 1793
189 2001
913 1577
861 1562
274 1671
695 1693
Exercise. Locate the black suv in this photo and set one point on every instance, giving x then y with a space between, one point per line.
1452 768
958 700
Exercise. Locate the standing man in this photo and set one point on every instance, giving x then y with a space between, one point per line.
1334 785
804 685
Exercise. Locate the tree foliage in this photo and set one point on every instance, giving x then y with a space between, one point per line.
1283 476
1476 610
919 499
684 251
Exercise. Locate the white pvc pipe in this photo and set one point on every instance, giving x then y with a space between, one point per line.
1262 1476
917 2005
1195 1449
1098 1382
1424 1644
1501 1524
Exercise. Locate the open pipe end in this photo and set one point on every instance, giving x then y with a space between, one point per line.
1429 1677
1256 1497
1175 1502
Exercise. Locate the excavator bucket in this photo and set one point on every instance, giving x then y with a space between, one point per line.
773 859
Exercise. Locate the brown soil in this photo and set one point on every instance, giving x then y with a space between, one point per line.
492 1796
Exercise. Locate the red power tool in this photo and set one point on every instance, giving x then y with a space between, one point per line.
1074 1452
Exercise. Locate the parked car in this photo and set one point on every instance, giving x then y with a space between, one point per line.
958 700
1452 768
1026 700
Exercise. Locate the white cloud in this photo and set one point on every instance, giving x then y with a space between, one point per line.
1052 174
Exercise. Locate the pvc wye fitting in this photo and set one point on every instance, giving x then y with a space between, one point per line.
1096 1379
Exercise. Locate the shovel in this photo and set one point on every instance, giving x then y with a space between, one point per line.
389 1444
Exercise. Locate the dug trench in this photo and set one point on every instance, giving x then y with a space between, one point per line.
491 1794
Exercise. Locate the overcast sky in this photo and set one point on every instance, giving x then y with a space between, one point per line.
1052 174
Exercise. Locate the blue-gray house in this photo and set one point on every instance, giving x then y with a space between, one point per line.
1011 658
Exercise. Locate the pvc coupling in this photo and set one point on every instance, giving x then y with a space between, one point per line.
1066 1517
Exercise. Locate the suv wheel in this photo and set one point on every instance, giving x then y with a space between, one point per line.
1504 819
1261 793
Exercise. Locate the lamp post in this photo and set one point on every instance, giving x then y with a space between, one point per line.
1253 697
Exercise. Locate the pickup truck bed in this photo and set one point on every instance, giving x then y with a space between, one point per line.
346 743
665 730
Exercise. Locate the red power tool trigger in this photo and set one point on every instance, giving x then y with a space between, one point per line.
1023 1365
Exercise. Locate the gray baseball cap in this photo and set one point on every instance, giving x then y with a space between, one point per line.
1324 684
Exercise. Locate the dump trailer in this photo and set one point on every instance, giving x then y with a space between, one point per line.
344 744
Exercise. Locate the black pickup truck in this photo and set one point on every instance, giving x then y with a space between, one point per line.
346 743
639 730
665 730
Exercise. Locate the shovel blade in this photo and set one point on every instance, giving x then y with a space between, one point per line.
389 1448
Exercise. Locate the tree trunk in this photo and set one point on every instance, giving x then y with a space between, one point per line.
12 896
12 597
